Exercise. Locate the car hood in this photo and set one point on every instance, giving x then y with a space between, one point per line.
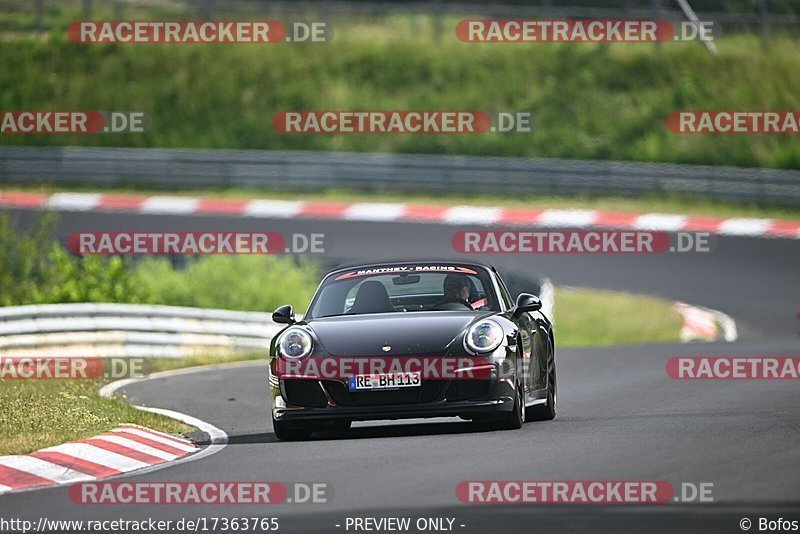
408 334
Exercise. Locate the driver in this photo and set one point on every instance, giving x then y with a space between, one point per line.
456 290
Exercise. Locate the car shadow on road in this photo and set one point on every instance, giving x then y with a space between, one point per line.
372 431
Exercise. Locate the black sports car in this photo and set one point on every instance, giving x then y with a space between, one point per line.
412 339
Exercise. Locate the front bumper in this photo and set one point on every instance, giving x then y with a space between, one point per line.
496 396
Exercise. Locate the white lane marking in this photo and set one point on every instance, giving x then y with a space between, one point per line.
73 201
567 218
169 205
153 437
90 453
284 209
44 469
135 445
369 211
4 489
729 330
744 226
660 221
471 215
110 389
218 437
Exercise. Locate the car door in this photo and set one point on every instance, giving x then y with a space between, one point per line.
526 327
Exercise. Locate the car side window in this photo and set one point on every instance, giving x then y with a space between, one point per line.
504 294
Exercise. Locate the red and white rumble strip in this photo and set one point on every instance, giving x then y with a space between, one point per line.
126 448
705 324
391 212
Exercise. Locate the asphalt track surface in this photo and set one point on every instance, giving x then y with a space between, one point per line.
620 416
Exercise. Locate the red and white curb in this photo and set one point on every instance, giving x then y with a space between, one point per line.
398 212
122 450
128 449
705 324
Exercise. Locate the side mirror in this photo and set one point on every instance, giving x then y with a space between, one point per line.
284 315
527 303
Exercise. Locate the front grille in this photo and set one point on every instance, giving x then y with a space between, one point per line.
338 392
303 392
468 389
432 390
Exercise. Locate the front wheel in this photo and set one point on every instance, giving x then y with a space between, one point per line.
514 419
285 431
547 411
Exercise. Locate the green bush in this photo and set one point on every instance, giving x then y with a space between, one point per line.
590 101
254 283
34 269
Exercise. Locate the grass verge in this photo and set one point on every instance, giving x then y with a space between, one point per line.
42 413
592 317
589 101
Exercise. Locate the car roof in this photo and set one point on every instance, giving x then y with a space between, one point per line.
383 263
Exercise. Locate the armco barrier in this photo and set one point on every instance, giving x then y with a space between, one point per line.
298 170
131 330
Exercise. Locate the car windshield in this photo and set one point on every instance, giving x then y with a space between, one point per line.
407 288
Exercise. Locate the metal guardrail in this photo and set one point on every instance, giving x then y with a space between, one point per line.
201 168
130 330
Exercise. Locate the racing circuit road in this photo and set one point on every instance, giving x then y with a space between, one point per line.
620 416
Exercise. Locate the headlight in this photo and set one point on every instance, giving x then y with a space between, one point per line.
483 336
295 343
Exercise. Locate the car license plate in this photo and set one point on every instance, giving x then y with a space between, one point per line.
384 381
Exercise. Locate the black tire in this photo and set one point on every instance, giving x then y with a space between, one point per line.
516 417
547 411
288 432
